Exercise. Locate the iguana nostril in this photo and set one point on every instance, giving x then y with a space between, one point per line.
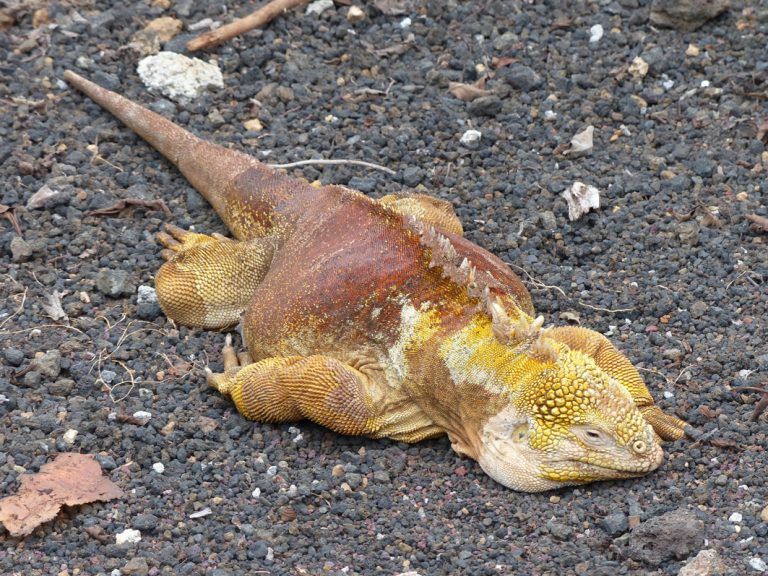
639 447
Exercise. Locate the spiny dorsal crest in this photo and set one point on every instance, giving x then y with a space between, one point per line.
521 329
479 285
455 268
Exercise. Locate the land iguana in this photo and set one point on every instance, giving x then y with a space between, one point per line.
378 318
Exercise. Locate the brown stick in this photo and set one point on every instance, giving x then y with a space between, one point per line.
262 16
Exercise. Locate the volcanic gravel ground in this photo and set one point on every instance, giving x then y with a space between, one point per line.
669 268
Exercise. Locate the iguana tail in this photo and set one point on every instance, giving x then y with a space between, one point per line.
234 183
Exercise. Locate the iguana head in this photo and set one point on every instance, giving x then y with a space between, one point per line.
542 413
570 424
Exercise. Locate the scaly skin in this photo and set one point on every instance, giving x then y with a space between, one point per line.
378 318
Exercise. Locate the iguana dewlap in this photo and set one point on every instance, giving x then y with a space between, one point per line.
377 318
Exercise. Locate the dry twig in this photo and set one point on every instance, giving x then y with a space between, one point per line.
325 162
262 16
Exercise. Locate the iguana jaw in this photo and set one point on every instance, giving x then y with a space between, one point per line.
505 454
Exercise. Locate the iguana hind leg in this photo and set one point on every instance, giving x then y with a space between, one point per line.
207 281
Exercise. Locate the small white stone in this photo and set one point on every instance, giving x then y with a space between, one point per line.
270 554
666 82
272 470
735 517
355 14
177 76
319 6
705 83
142 416
758 564
595 33
470 137
158 467
550 115
128 536
667 394
69 436
256 493
405 23
146 295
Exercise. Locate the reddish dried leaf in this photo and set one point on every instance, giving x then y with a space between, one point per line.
466 92
71 479
762 131
759 222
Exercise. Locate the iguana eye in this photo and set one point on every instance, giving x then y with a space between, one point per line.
520 434
593 434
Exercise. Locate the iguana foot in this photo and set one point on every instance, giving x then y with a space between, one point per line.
207 281
666 426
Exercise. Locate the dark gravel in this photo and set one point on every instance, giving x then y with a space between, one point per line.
669 266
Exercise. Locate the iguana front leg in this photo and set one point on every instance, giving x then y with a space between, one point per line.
208 281
608 358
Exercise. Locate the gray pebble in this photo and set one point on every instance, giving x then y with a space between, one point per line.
13 356
113 283
671 536
48 364
616 524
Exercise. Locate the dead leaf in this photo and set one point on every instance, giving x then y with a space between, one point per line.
572 317
581 198
121 205
397 49
581 143
762 131
391 7
466 92
363 95
39 198
70 480
54 308
562 22
758 222
206 424
497 63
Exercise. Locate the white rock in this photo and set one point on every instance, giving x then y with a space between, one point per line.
735 517
69 436
319 6
705 83
270 554
581 198
142 416
256 493
177 76
758 564
667 394
272 470
405 23
470 137
146 295
595 33
355 14
128 536
158 467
